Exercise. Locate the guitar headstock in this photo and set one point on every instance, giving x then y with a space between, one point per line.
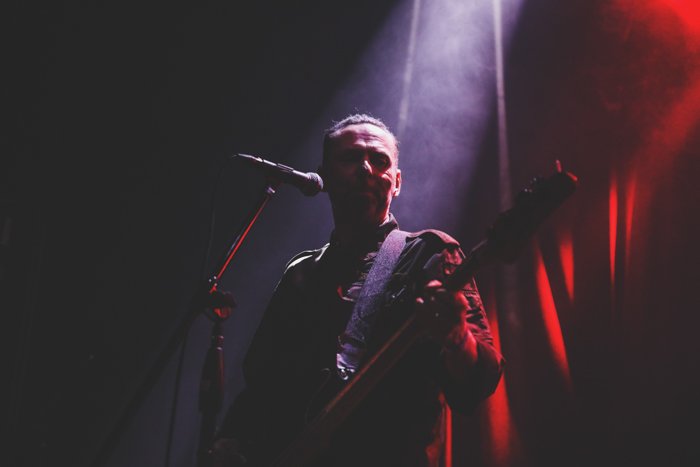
514 227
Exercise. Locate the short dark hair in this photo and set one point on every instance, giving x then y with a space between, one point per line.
355 119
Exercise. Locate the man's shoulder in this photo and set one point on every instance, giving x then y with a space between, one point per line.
305 259
434 235
303 266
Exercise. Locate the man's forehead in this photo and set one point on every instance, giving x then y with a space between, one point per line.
365 133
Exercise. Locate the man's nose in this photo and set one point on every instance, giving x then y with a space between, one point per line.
366 166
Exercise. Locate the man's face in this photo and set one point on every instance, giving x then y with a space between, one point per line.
361 173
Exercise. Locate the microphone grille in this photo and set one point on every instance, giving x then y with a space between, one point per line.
314 186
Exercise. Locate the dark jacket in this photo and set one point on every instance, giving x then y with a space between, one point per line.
401 422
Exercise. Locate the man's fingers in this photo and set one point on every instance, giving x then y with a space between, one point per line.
433 285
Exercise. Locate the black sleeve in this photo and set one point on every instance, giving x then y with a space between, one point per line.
477 382
249 407
260 417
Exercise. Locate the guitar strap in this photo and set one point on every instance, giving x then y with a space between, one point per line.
352 343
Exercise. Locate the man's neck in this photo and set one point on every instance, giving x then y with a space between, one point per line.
348 232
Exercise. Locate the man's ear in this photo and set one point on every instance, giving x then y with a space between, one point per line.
397 186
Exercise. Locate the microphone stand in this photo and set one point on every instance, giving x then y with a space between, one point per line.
212 383
217 306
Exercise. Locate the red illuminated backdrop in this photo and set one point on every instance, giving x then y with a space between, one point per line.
606 359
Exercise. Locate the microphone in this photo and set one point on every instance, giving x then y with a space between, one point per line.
309 183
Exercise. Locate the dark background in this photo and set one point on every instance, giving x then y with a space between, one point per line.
117 202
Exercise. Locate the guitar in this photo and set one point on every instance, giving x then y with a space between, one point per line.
504 240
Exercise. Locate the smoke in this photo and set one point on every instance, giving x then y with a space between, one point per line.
429 73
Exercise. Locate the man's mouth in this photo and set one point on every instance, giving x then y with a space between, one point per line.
366 191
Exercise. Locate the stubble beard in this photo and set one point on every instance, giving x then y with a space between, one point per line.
360 210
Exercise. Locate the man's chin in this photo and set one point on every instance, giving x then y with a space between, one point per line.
365 209
361 202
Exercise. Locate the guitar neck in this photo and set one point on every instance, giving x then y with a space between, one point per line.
479 256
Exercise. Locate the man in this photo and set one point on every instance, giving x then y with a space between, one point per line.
400 423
